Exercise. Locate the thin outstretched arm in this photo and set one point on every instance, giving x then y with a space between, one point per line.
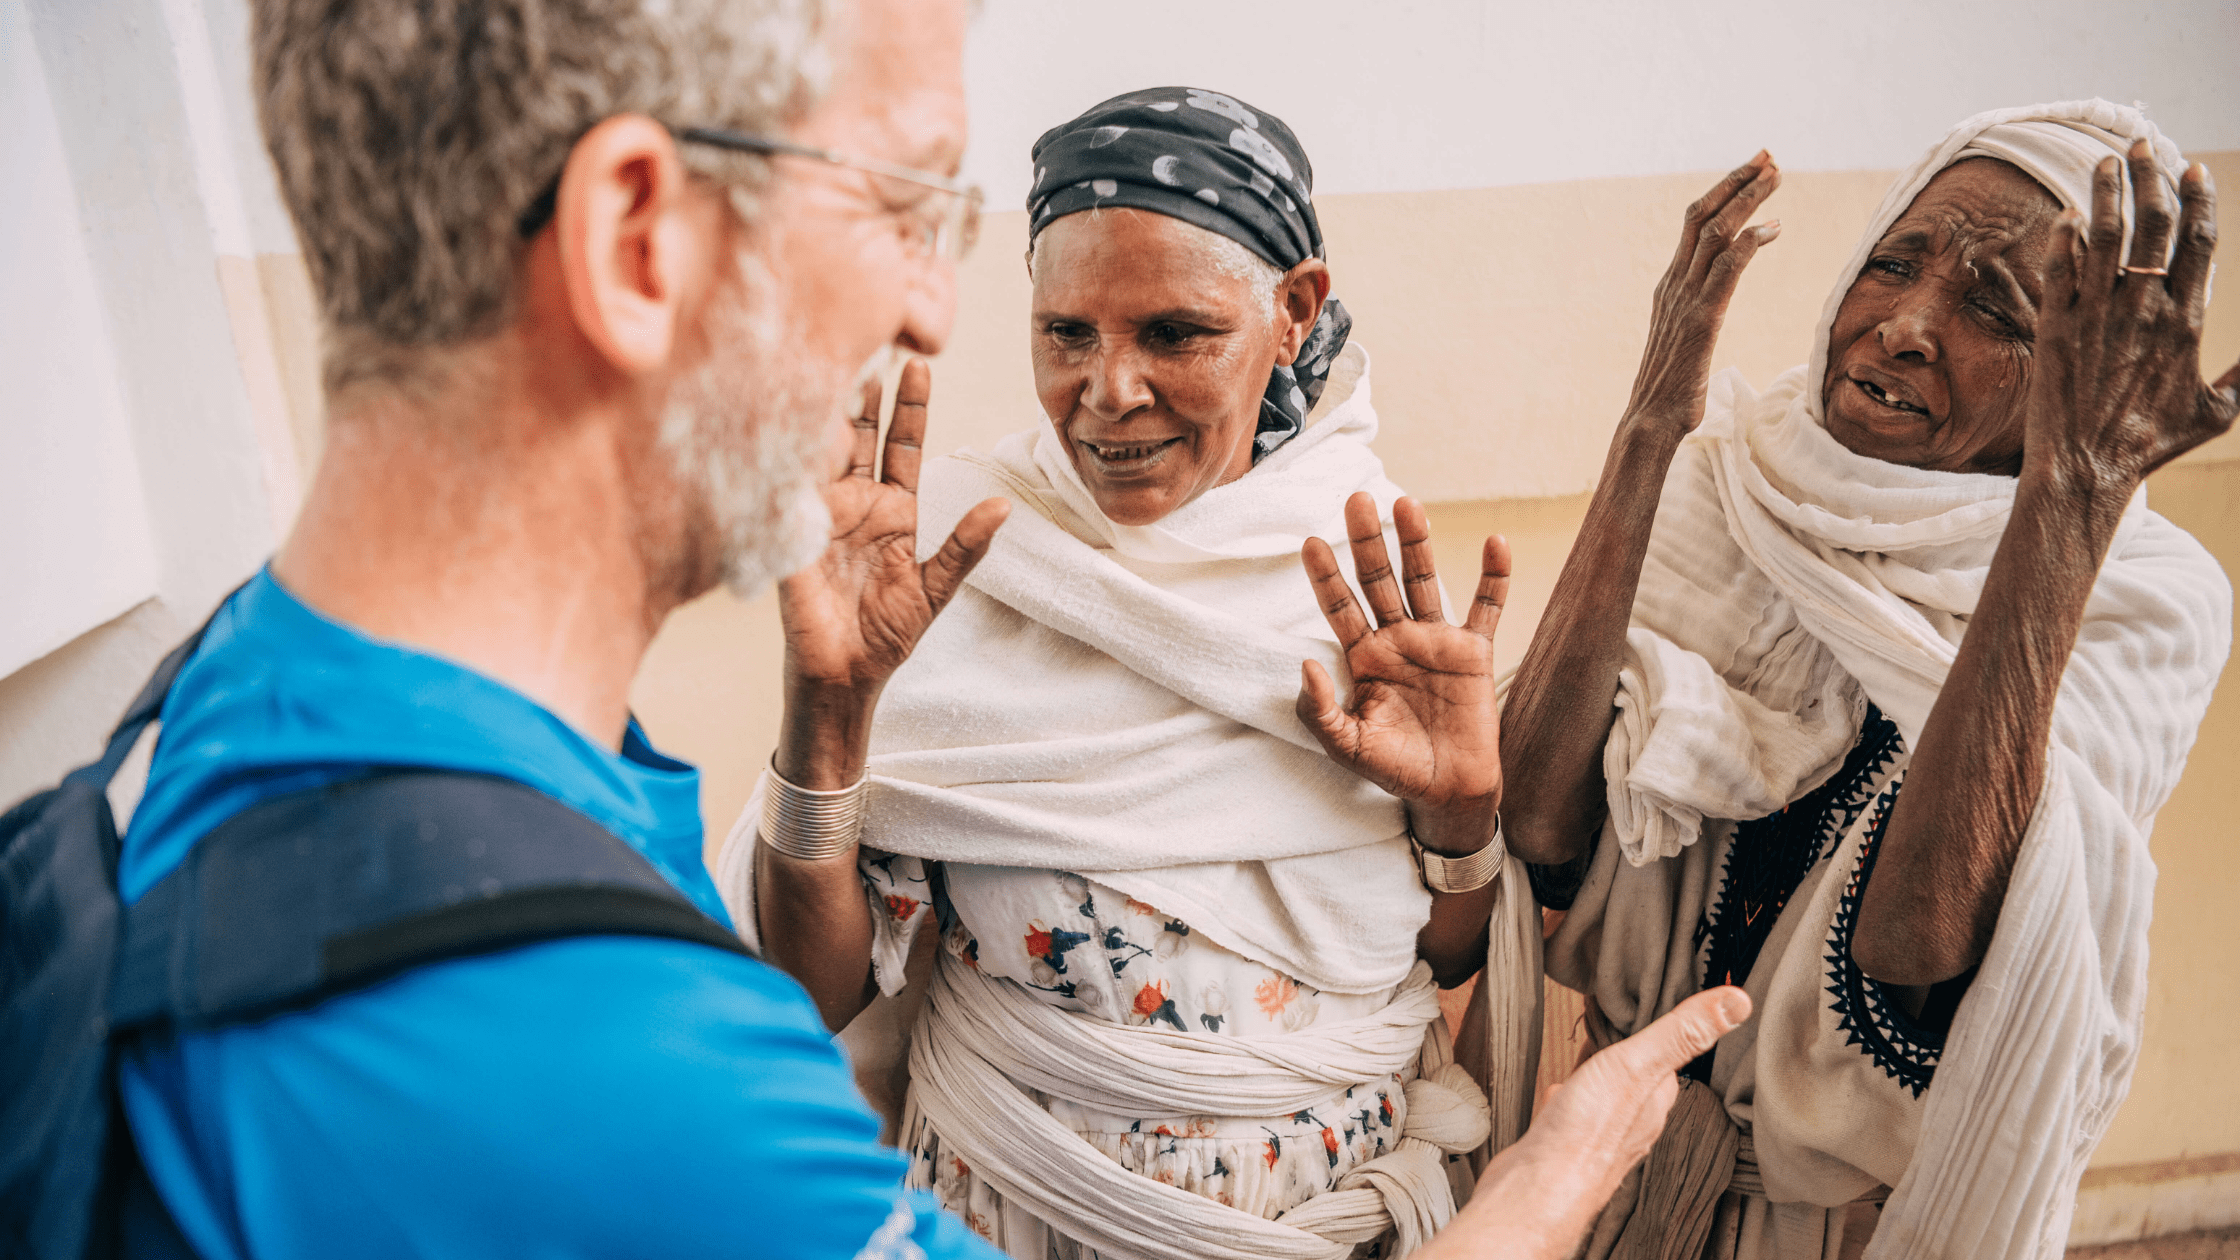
1558 714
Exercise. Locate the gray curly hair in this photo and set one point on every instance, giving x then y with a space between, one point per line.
411 138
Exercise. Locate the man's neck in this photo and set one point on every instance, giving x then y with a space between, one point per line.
508 543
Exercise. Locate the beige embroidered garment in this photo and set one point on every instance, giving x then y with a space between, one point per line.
1789 586
1116 703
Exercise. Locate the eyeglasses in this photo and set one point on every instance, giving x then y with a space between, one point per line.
947 229
950 232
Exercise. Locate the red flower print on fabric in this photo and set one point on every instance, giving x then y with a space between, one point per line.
902 907
1154 1005
1273 994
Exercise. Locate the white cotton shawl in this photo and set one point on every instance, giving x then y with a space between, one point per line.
1118 701
1789 583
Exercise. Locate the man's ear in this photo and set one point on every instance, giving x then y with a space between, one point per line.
636 247
1299 298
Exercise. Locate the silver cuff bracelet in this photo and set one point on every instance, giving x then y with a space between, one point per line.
812 826
1462 874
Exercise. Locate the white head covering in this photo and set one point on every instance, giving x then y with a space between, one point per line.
2059 144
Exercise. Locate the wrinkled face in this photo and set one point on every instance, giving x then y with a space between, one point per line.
829 282
1929 357
1149 359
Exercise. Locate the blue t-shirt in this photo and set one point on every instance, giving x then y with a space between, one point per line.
599 1096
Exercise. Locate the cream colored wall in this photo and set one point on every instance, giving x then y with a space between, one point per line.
1505 325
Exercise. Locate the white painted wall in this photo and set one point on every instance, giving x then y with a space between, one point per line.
144 140
1405 95
80 551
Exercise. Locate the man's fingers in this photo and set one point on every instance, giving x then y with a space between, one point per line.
1372 567
906 435
1493 589
1331 592
2197 243
2152 216
940 576
865 448
1685 1032
1418 573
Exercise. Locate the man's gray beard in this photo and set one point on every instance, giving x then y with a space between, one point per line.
748 432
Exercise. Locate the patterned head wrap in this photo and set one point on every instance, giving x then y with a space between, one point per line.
1213 161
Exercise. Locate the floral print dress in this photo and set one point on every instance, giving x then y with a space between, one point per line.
1084 947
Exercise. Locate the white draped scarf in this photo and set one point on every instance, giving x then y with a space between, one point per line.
1117 701
1789 583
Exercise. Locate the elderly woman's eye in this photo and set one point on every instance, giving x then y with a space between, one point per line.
1882 265
2000 321
1168 335
1066 334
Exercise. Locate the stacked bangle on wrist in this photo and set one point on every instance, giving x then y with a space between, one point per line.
812 826
1468 873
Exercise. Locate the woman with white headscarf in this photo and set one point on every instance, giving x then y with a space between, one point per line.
1921 561
1186 906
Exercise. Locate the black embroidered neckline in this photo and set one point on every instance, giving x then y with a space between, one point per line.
1770 856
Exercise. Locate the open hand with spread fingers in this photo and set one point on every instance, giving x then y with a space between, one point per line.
852 618
1422 721
2117 389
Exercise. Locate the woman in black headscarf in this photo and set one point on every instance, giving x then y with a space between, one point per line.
1193 909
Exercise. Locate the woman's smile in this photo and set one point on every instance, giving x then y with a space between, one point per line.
1132 458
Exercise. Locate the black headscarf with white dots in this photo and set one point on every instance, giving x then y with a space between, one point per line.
1213 161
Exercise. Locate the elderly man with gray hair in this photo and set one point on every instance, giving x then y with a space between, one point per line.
596 278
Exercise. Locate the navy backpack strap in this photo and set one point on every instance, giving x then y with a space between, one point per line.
317 893
145 707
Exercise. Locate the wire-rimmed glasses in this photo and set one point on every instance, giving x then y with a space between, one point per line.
947 232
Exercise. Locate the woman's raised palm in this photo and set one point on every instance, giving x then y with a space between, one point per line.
853 617
1423 721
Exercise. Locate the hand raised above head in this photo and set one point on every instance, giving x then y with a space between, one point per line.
2116 388
1691 300
1423 722
853 617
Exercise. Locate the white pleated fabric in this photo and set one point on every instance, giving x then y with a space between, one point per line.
978 1043
1791 582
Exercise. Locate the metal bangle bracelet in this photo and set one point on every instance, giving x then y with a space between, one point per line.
1467 873
808 825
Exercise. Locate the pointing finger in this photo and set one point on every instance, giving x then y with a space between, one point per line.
1685 1032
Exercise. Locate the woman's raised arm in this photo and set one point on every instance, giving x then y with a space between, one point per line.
1559 710
851 619
2115 393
